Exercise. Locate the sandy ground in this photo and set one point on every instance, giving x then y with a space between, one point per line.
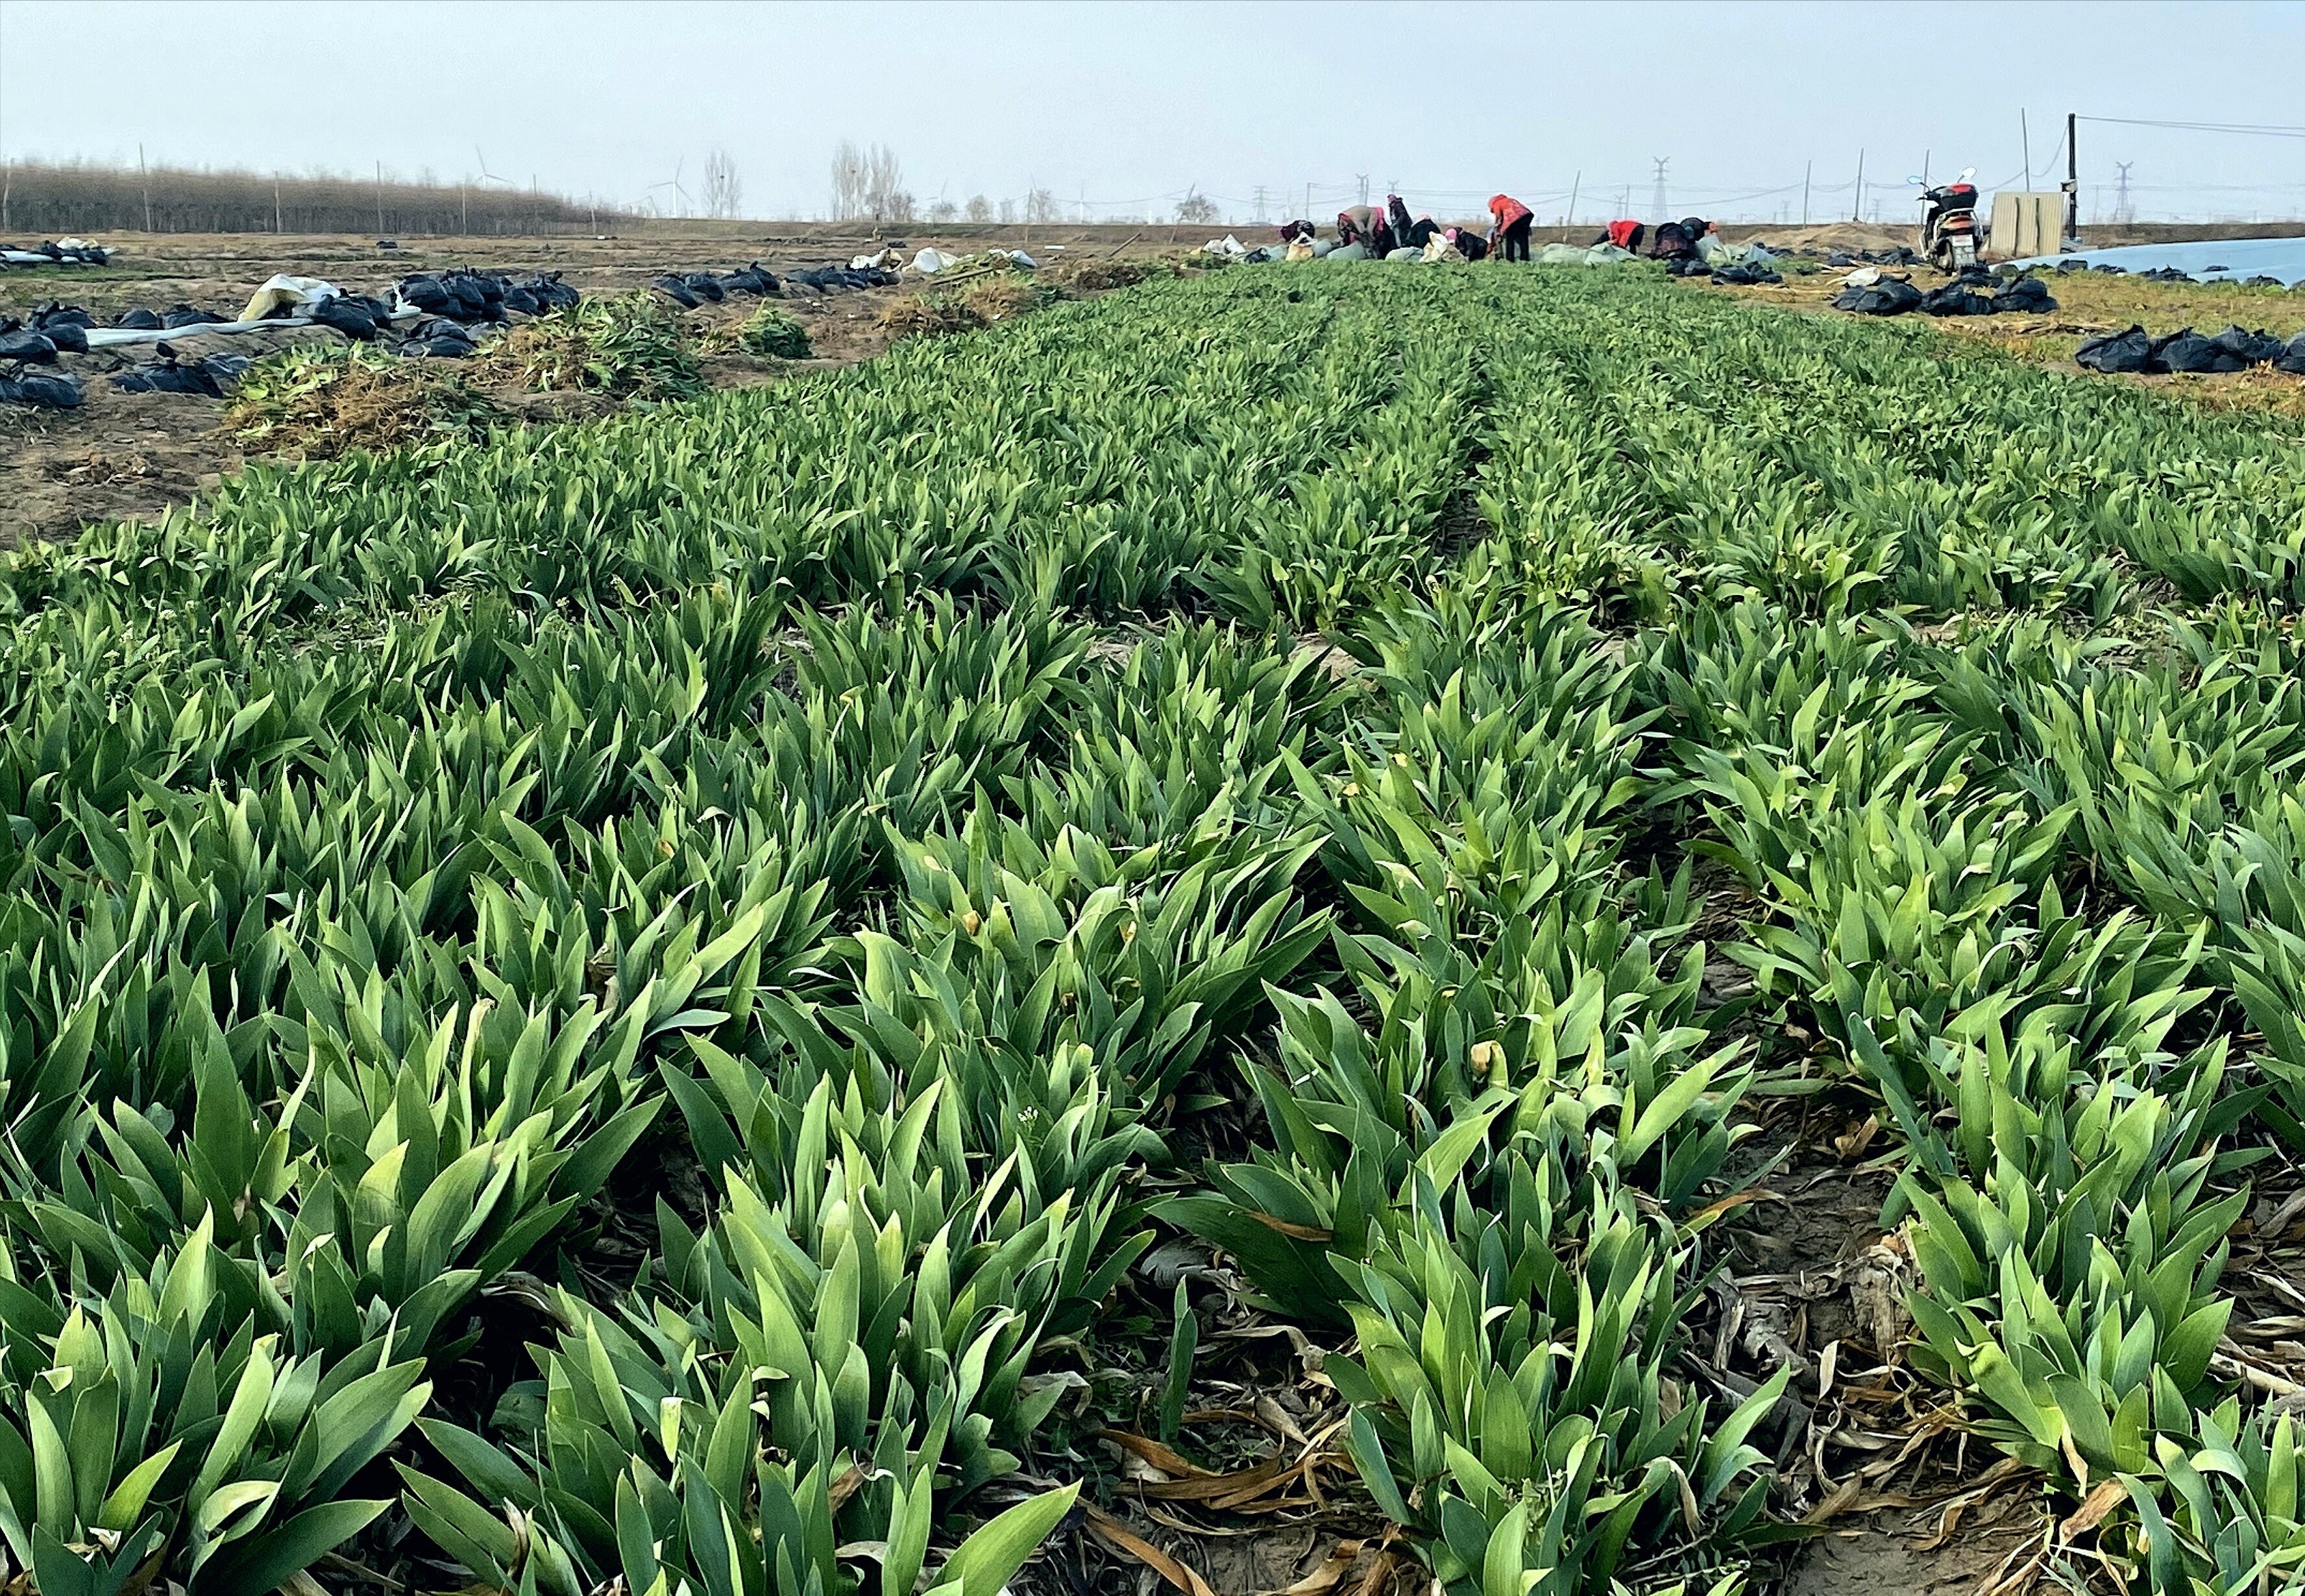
124 456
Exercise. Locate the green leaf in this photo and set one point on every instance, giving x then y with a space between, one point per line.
989 1559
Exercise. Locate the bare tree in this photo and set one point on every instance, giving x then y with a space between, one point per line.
850 181
944 210
980 208
1196 208
1007 210
1040 205
869 183
724 190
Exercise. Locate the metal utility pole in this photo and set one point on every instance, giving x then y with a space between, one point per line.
2025 131
1576 183
276 228
1807 171
1657 209
144 177
1259 205
1308 199
2072 179
1364 182
2121 202
1857 211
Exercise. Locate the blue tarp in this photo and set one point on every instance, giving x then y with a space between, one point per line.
2282 257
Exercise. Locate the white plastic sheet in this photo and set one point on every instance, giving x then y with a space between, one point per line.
286 293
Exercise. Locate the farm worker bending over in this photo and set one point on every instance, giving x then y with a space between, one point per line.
1510 237
1353 224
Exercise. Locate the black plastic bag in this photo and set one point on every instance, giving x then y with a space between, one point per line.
425 293
753 279
469 296
51 314
25 345
1890 296
2249 348
676 291
70 337
2187 351
2132 350
42 390
446 346
2292 359
704 285
171 375
352 319
2026 295
141 319
184 315
1955 299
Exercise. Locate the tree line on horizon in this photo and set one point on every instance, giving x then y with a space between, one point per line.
53 199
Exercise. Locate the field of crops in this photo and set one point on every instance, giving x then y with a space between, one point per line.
1190 911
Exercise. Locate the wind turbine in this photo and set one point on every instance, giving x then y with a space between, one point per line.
464 202
673 182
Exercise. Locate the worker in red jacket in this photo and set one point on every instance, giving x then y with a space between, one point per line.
1509 236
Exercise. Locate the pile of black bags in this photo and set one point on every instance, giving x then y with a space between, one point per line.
2185 351
1968 294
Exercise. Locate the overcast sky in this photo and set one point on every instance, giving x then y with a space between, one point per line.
1124 106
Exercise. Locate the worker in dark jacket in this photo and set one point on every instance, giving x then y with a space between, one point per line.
1470 245
1513 220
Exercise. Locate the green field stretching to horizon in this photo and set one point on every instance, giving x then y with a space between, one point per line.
1222 900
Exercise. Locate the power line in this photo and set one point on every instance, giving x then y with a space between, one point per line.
2255 128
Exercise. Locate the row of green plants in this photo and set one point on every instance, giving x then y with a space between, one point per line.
851 837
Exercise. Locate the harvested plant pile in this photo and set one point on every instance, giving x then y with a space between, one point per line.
315 402
930 315
768 331
1087 273
629 346
1004 294
745 1000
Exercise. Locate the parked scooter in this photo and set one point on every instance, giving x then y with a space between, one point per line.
1950 235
